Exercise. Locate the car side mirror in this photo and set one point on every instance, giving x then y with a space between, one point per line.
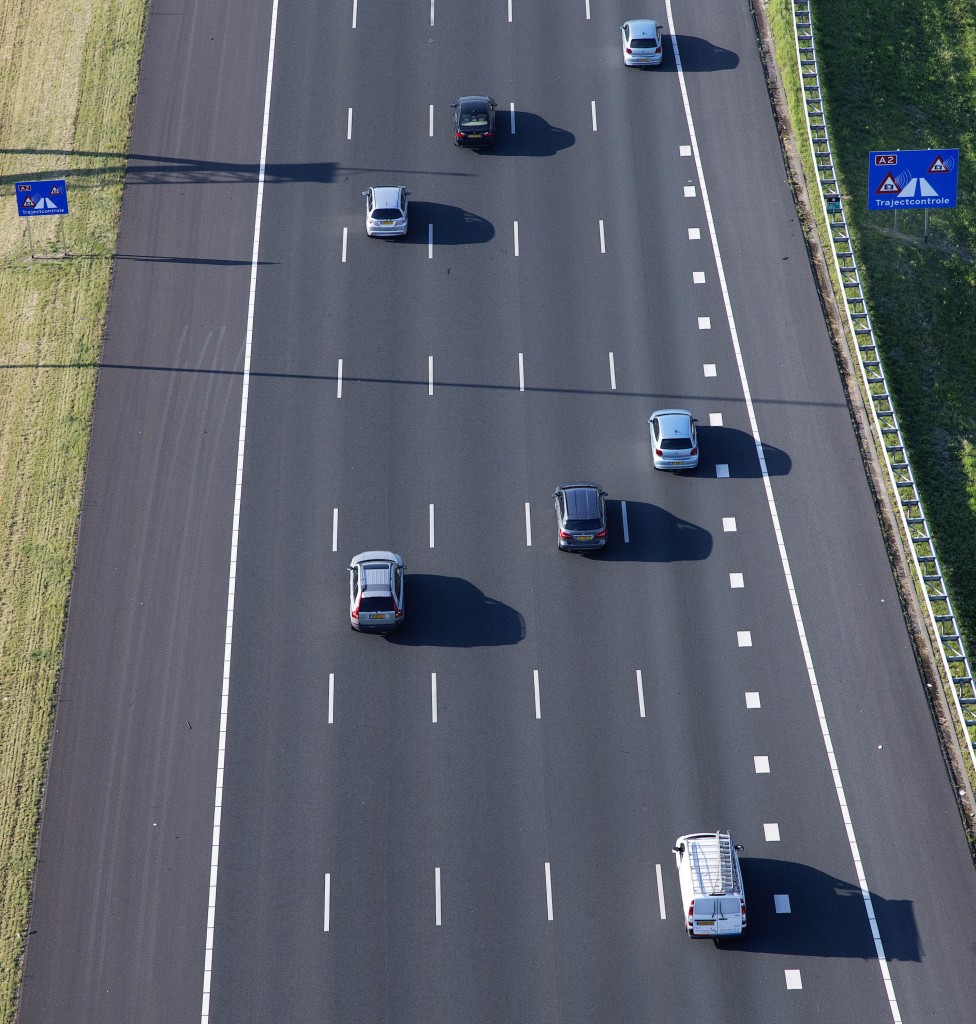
366 193
680 848
739 846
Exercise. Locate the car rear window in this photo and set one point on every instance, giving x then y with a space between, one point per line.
644 44
585 525
676 443
376 604
474 119
386 214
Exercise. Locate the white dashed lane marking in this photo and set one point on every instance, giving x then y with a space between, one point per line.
538 696
430 122
728 524
339 380
331 695
690 191
430 241
437 897
793 979
781 901
521 373
349 124
623 516
704 323
335 529
511 109
430 375
603 240
328 896
715 419
698 277
640 693
761 762
516 238
432 525
355 5
694 234
613 374
709 370
528 526
736 580
771 832
593 113
660 892
752 699
722 470
345 242
548 891
744 638
433 697
684 150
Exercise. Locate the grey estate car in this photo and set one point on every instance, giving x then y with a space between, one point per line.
376 591
581 516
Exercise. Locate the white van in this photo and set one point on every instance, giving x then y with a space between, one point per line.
711 884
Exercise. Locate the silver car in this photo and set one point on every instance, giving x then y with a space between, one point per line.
386 210
376 591
674 439
641 41
581 517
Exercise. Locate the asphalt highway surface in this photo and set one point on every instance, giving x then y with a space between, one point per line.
273 818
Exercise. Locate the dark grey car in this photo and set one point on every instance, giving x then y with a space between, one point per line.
581 516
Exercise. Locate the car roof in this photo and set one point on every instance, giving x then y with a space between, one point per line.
673 422
642 26
582 500
387 195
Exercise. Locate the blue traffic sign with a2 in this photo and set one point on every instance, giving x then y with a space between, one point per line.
41 198
912 179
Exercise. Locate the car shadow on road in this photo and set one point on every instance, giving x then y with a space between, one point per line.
826 917
699 55
452 225
655 535
726 446
534 136
447 611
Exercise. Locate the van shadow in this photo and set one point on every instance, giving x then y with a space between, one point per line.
827 916
737 450
655 535
447 611
452 225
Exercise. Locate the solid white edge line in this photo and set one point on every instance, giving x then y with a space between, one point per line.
548 891
528 527
538 695
328 898
430 241
660 892
235 532
345 239
603 241
431 524
593 113
433 697
349 125
437 897
640 693
521 373
623 513
516 239
613 374
335 529
511 108
781 544
339 380
331 695
430 377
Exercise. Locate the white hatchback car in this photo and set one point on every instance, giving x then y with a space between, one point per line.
641 43
386 210
674 439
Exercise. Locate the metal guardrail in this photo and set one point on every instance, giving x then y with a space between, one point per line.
942 618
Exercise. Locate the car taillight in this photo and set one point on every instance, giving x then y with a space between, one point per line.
355 609
658 452
564 535
487 135
628 50
397 611
694 451
601 534
459 135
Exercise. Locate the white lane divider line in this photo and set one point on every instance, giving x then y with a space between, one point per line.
516 239
432 12
761 762
430 376
752 700
339 380
430 129
331 696
729 524
736 580
603 241
698 277
430 241
640 693
345 242
521 373
722 470
208 948
781 544
694 234
587 2
437 897
433 697
613 374
509 10
593 113
349 125
511 110
744 637
660 892
328 898
528 526
771 832
704 323
538 696
432 524
793 980
355 5
709 370
335 529
781 901
623 513
715 419
548 891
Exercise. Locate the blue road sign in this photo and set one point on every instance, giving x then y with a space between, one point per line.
912 179
41 198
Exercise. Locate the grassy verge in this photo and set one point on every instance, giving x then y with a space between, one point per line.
898 80
68 75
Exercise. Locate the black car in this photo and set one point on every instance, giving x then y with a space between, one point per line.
581 517
474 121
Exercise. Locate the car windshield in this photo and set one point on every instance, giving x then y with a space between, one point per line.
386 213
376 604
643 44
474 118
584 525
673 443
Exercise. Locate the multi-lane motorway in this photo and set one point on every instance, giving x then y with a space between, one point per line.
473 819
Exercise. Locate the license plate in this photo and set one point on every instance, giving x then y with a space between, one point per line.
387 223
474 135
705 924
377 615
585 536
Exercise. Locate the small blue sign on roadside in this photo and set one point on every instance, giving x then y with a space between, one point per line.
913 179
41 198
